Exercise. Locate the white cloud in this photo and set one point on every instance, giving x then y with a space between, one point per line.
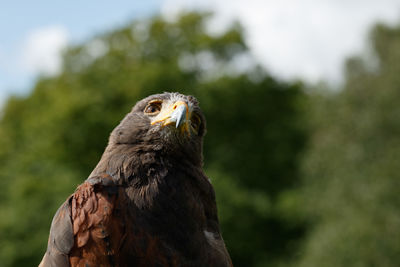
299 38
41 50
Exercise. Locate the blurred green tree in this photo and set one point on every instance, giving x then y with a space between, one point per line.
352 183
52 138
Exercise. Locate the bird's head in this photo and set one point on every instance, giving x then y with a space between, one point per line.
170 122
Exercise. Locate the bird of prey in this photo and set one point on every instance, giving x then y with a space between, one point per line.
148 201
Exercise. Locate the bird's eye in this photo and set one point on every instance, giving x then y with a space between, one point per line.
195 122
153 107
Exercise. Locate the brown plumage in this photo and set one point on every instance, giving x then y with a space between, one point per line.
147 202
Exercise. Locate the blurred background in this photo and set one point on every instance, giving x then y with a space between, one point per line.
302 100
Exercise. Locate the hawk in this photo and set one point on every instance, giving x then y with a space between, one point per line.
148 201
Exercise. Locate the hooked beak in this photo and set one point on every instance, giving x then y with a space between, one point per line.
177 113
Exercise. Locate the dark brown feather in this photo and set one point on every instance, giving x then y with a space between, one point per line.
147 203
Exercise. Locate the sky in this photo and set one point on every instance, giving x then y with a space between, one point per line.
308 39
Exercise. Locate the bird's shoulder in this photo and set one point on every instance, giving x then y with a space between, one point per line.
80 230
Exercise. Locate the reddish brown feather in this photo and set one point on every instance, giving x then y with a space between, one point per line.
99 232
92 215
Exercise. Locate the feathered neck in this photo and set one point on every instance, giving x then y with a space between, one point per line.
138 164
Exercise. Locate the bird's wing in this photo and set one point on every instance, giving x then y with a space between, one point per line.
79 233
61 238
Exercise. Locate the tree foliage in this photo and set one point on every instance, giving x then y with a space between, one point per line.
351 177
51 139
